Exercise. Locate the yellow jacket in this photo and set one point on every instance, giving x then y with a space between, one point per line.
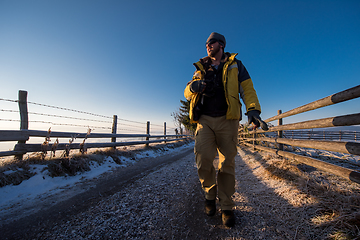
232 87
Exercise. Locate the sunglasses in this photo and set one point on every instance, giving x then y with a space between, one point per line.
212 41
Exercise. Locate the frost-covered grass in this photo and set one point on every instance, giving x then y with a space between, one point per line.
341 159
324 206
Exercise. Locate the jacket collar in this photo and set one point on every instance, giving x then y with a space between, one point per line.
230 56
226 57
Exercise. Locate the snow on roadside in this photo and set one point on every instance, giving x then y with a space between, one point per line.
342 159
41 184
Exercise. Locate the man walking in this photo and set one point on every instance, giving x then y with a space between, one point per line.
215 106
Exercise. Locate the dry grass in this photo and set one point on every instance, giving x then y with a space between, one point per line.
13 171
331 204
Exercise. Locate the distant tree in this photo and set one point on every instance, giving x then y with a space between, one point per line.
181 116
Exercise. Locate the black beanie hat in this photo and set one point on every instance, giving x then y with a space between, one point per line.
217 36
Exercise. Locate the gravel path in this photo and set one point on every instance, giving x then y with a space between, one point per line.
167 203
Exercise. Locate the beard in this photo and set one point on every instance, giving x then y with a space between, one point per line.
214 51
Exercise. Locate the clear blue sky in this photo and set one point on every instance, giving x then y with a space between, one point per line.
134 58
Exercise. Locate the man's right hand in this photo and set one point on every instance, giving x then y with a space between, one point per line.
198 86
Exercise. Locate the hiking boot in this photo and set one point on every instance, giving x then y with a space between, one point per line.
210 207
228 218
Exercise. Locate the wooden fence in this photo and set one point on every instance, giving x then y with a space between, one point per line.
23 135
294 135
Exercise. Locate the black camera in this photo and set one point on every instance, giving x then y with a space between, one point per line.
210 88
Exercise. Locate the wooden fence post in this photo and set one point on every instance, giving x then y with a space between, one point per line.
113 130
165 131
280 133
147 132
24 119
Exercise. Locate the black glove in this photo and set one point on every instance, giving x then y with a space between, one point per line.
198 86
254 117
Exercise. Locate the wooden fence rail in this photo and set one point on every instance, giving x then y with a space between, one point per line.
319 135
339 97
279 135
324 135
24 134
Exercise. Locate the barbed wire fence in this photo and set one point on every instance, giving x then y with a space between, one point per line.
122 124
92 122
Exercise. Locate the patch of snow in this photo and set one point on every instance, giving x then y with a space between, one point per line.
41 184
8 172
323 153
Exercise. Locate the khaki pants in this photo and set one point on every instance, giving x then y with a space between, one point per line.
216 134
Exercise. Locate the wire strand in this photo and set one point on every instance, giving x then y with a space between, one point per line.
68 109
73 110
8 100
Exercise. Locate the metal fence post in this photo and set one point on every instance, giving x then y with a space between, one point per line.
280 133
24 119
113 130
